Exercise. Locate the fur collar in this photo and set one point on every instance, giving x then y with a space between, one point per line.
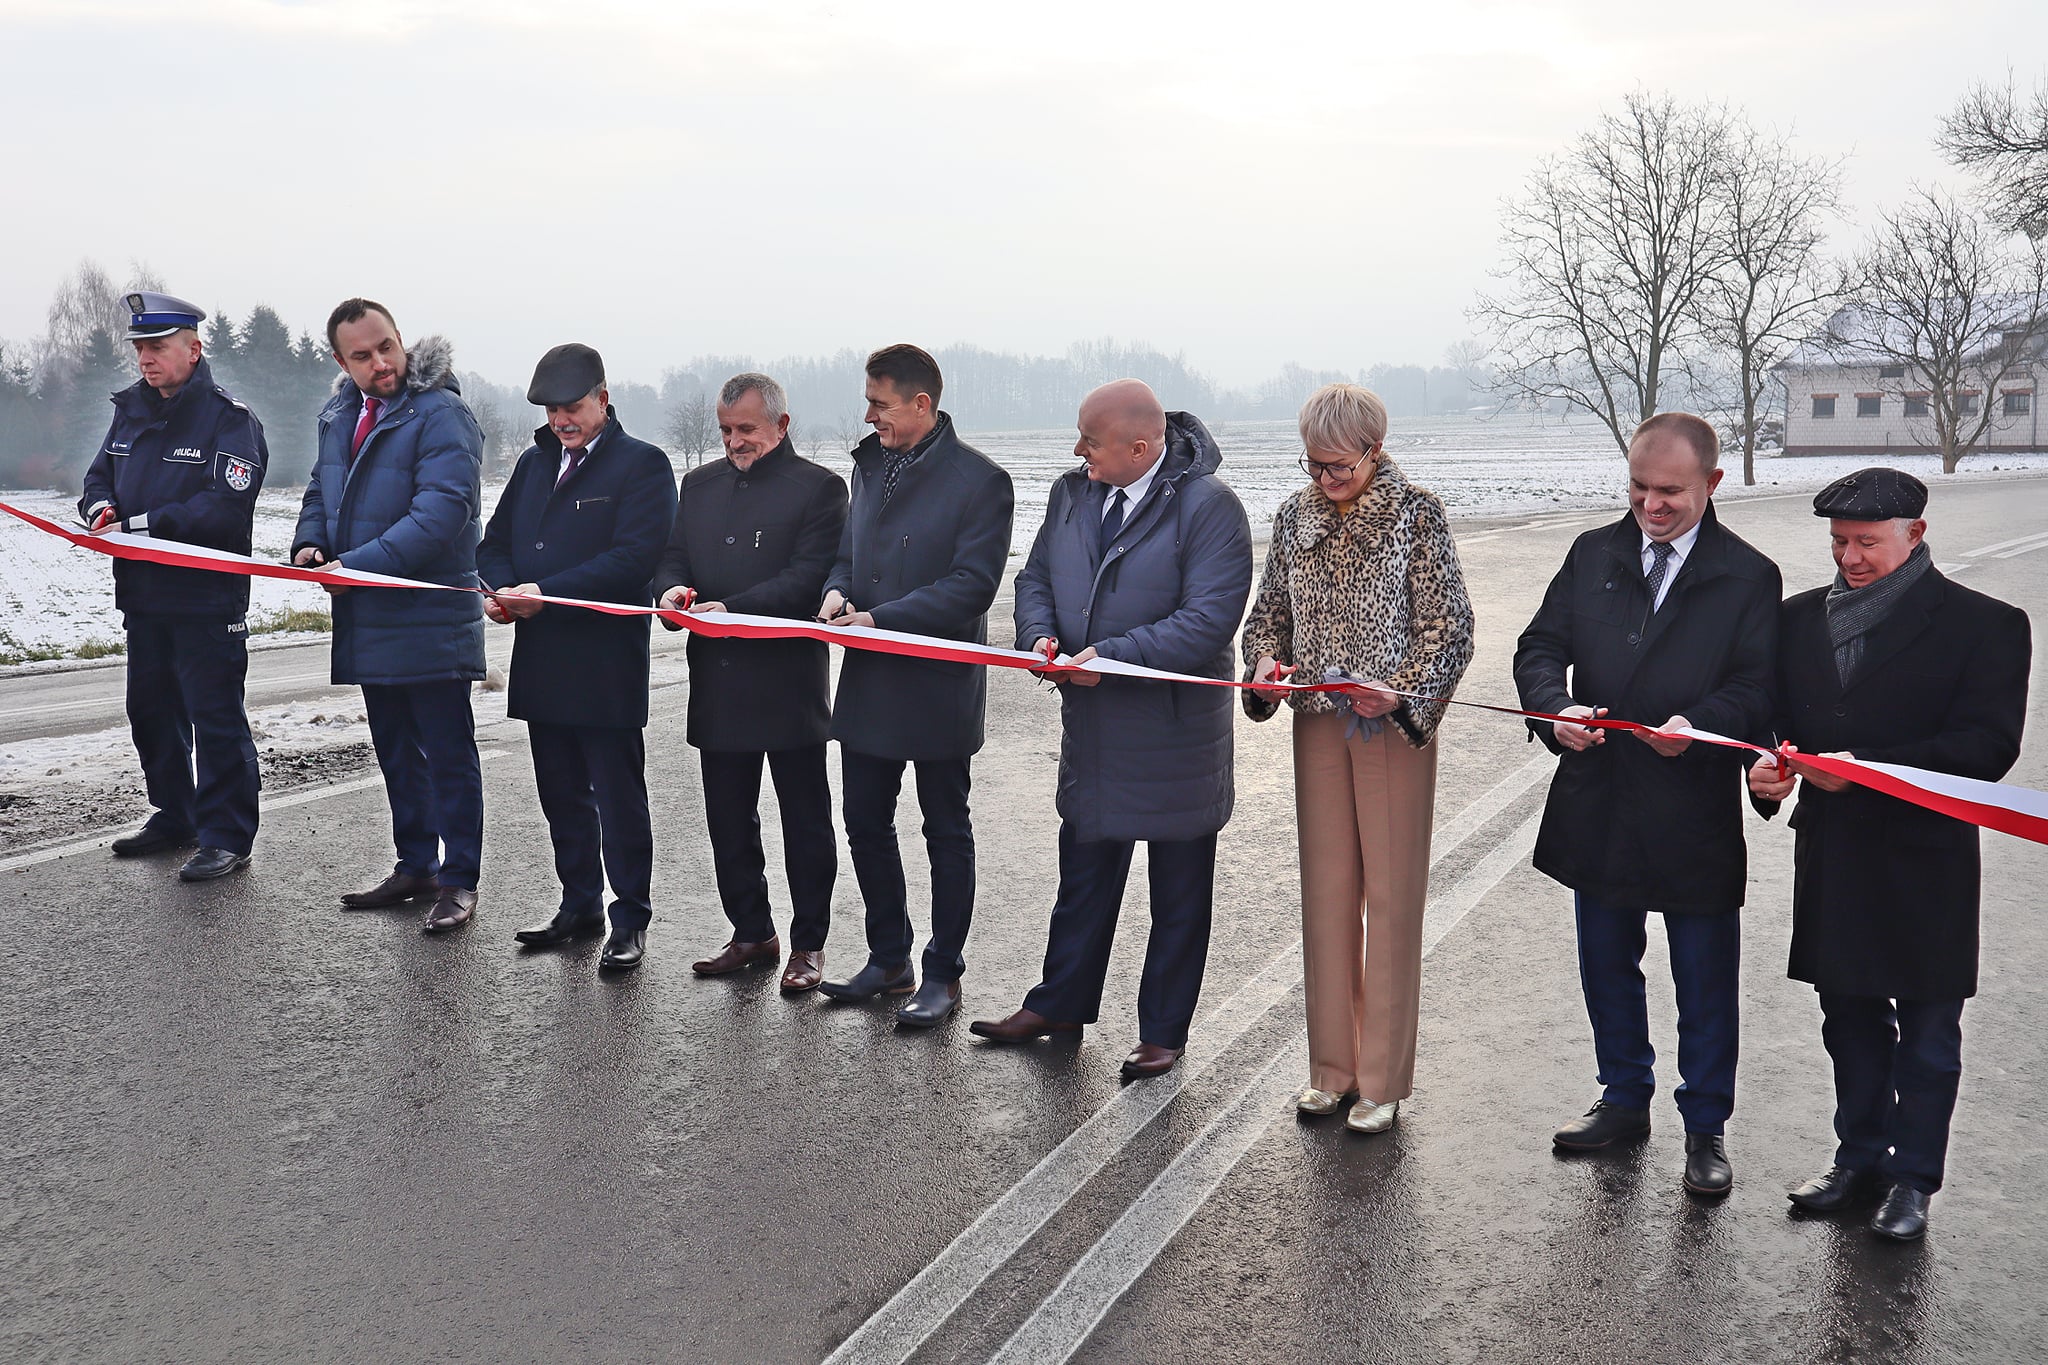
1317 518
429 364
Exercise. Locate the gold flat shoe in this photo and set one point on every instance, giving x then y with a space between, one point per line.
1367 1117
1314 1101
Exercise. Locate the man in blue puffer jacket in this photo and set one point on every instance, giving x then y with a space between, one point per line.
394 490
1145 558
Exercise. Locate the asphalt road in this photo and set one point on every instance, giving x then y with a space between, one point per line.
242 1125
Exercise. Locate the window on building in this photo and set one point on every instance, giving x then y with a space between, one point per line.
1823 405
1891 372
2019 404
1968 403
1916 405
1869 405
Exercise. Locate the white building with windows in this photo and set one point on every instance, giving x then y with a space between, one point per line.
1842 399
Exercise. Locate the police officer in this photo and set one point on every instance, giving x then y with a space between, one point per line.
183 461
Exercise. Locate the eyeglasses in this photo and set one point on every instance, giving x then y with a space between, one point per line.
1316 469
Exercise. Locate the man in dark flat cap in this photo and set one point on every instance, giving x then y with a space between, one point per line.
1892 663
585 515
183 461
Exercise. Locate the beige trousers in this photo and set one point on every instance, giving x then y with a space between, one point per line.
1363 811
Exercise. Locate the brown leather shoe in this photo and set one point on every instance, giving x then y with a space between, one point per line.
1149 1059
735 955
453 908
804 972
1020 1027
396 889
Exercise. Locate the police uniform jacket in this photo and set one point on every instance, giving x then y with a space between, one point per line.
1885 893
597 535
928 562
409 504
1622 823
1144 760
187 468
760 540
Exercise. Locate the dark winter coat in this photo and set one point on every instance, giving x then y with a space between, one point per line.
186 469
598 536
760 541
1144 760
410 506
1622 823
1884 892
927 563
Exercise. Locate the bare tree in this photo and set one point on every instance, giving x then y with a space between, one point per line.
846 432
1774 290
88 301
1953 304
692 429
1608 252
2006 144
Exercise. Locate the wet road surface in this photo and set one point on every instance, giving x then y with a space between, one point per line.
241 1124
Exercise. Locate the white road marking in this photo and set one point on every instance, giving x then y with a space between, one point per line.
1058 1326
2033 540
286 802
916 1311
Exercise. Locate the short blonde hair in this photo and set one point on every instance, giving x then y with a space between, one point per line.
1343 417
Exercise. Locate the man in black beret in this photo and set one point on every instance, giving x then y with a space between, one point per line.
585 515
1892 663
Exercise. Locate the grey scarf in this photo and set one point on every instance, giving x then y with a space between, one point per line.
1854 612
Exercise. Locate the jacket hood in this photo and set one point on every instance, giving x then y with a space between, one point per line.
1187 438
429 364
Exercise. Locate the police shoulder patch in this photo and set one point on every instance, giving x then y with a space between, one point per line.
240 472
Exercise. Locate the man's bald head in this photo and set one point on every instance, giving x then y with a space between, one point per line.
1123 431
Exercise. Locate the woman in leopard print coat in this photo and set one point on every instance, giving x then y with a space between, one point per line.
1361 581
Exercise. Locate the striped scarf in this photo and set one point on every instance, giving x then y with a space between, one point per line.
1854 612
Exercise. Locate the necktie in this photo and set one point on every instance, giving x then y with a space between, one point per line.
372 409
1113 519
1660 555
575 463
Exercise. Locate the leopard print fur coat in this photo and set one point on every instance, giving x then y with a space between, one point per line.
1377 592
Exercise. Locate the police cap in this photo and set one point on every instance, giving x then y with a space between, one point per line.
159 315
1876 494
565 375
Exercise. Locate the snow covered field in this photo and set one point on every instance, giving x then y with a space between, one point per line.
55 597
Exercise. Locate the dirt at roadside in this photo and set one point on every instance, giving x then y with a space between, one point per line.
52 813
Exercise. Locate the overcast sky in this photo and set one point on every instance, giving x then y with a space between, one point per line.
1250 183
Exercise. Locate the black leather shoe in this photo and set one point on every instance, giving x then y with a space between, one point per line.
150 839
871 981
1706 1165
1833 1190
1903 1215
1602 1126
558 931
400 888
209 863
624 949
453 908
934 1001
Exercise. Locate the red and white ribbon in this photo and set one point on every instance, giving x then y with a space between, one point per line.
2013 810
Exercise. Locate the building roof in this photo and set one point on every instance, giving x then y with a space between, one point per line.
1857 335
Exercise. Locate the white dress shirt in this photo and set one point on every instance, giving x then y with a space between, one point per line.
1680 548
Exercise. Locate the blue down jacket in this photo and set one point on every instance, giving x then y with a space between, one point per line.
408 505
1144 760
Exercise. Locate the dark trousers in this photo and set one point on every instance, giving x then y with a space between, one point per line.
1706 960
425 738
593 790
185 683
1897 1066
810 849
1182 874
869 787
